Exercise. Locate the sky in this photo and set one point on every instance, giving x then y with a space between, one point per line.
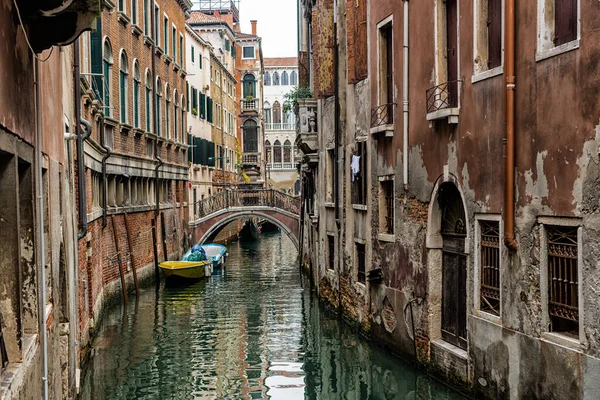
277 25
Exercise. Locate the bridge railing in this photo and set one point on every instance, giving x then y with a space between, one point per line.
246 198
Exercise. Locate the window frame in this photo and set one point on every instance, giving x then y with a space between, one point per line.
166 33
137 83
253 52
360 198
546 48
477 278
482 72
383 231
123 87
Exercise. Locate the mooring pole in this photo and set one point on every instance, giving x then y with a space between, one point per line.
156 272
135 278
119 260
164 235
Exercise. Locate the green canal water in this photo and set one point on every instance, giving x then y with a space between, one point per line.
254 331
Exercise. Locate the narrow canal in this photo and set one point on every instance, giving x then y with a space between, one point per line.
253 332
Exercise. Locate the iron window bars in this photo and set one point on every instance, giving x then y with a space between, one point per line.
490 266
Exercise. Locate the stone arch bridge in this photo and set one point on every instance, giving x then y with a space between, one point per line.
213 213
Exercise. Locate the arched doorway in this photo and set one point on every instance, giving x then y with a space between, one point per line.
454 265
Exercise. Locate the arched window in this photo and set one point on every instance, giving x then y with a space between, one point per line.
183 109
250 136
107 63
276 113
285 79
168 110
137 82
175 115
277 152
249 86
157 101
148 101
293 78
276 78
287 151
268 114
267 79
287 114
123 75
269 150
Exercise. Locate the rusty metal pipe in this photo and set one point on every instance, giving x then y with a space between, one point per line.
509 77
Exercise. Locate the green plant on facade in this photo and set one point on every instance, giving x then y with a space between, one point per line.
194 111
294 95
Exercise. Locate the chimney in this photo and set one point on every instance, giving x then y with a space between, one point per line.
253 22
217 14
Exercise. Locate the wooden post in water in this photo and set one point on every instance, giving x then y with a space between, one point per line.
119 260
164 235
135 278
156 272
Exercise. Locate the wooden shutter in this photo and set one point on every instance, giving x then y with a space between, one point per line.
565 21
191 150
211 154
494 26
202 106
96 58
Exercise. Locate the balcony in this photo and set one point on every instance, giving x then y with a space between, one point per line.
382 120
249 105
277 126
307 126
251 160
442 102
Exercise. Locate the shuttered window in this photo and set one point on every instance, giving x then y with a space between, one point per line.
96 58
565 21
494 25
202 106
209 109
227 45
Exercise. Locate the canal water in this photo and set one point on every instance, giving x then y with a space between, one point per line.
254 331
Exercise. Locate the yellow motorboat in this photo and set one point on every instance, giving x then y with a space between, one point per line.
187 269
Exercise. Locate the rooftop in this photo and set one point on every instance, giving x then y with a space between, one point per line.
198 17
281 62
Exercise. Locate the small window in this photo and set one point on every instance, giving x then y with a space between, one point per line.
193 54
248 52
331 252
563 279
358 167
565 21
361 263
489 266
386 207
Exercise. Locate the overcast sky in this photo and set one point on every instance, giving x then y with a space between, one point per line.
277 25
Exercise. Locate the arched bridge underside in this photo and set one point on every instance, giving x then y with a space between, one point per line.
215 212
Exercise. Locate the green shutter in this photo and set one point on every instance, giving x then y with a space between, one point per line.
187 95
200 61
227 48
191 150
202 153
193 54
211 154
96 58
202 106
233 51
209 109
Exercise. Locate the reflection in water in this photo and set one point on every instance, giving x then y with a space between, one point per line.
251 332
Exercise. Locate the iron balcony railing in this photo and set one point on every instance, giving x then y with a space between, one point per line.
442 96
249 105
246 198
279 126
382 115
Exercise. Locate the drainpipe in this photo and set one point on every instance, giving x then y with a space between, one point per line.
107 153
81 137
40 215
153 23
405 98
336 119
509 76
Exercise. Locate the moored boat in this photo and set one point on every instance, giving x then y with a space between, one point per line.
186 269
216 253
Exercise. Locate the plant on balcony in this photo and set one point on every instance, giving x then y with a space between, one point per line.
295 94
194 111
249 98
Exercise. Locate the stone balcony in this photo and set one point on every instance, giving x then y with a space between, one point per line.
250 105
307 126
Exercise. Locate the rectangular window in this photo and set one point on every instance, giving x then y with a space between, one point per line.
565 21
146 18
174 43
166 34
331 252
202 106
227 45
248 52
330 171
181 51
386 207
209 109
386 67
489 266
194 101
122 5
193 54
200 60
494 33
156 32
134 12
563 278
359 174
361 263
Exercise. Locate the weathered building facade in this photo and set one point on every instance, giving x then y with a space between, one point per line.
453 151
135 162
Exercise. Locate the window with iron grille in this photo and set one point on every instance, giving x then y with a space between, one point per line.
386 206
361 261
563 279
359 174
331 252
489 264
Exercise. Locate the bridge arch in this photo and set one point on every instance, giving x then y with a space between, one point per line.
232 216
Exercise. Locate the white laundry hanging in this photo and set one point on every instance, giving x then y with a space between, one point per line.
355 166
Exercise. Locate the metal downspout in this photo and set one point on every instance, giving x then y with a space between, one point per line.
405 98
107 153
155 119
40 215
336 167
509 76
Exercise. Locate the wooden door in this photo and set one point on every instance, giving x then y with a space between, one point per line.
454 296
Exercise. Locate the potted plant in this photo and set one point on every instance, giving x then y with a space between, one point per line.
194 111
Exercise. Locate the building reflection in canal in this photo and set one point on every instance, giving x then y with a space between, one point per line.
253 332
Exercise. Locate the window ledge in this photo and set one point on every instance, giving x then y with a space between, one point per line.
450 348
125 128
109 4
168 59
386 130
562 340
386 237
329 205
445 113
488 317
563 48
13 378
151 135
138 132
111 121
123 18
490 73
361 207
148 41
183 73
159 51
136 30
176 67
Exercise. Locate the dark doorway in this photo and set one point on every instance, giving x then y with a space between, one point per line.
454 266
452 51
